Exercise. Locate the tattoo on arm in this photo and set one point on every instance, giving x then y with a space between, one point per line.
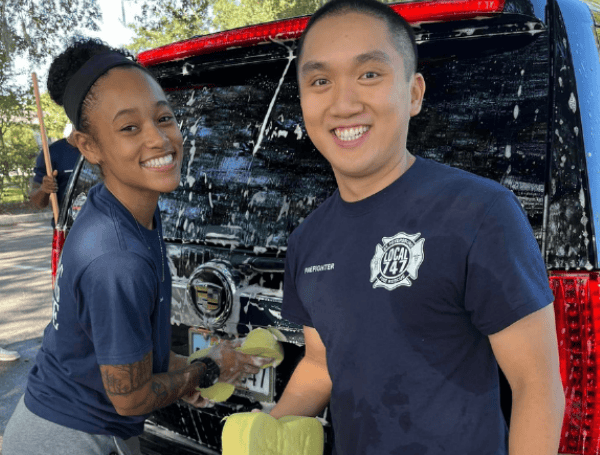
125 379
159 390
122 381
167 387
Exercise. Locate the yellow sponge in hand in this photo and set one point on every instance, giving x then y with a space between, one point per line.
257 433
259 342
262 343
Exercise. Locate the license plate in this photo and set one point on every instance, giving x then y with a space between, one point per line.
258 386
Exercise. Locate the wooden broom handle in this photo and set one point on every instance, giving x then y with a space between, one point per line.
45 148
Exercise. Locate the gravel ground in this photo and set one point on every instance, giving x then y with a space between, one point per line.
20 208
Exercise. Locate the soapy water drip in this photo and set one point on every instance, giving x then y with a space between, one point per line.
190 180
290 58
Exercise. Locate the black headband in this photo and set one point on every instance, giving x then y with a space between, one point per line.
81 82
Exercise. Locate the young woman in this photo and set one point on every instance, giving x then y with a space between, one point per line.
105 361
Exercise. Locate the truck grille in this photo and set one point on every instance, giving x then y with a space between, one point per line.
200 426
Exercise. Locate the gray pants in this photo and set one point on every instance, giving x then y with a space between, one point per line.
28 434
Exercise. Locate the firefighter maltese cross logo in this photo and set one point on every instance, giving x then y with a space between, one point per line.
396 261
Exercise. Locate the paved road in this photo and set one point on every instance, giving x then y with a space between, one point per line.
25 304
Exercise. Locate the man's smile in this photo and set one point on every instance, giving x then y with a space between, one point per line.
351 133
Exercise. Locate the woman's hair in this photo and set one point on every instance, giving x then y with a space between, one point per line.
67 64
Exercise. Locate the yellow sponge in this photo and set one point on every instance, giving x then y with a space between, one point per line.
262 343
257 433
259 342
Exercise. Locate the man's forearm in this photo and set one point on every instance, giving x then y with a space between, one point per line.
536 420
39 198
307 392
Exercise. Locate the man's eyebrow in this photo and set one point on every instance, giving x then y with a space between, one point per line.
378 56
312 65
133 110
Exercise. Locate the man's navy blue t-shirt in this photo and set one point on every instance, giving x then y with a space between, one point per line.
404 288
63 157
110 307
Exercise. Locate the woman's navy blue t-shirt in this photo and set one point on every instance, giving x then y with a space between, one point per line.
404 289
110 307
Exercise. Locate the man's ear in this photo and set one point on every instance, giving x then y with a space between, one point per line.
87 146
417 91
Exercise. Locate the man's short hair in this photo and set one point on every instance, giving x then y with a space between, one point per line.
401 33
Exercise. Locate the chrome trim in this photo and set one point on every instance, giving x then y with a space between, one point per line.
221 271
170 436
64 211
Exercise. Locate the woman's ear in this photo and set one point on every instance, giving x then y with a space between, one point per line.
87 146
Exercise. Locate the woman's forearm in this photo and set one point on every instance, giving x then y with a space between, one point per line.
161 390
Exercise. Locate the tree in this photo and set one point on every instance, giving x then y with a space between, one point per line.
18 147
595 7
34 29
22 150
230 14
55 118
173 20
167 21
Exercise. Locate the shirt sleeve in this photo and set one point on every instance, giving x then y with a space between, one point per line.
39 171
117 298
292 308
506 275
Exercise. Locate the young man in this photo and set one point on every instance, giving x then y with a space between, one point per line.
426 277
64 158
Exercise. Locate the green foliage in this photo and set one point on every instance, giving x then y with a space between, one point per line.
34 29
230 14
22 151
595 7
167 21
11 196
18 148
55 118
173 20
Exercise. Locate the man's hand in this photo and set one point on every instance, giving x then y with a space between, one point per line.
49 184
40 194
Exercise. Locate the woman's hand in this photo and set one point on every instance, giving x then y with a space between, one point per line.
196 399
235 365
